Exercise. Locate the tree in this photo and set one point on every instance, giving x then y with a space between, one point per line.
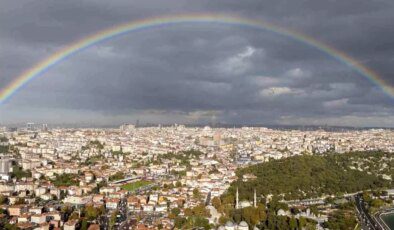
314 210
281 223
223 220
3 199
171 216
175 211
117 176
91 213
188 212
228 199
66 210
179 222
301 222
293 223
237 216
201 210
316 175
65 179
19 173
216 202
377 203
197 222
341 219
20 201
74 216
112 219
262 212
84 225
270 223
9 226
196 193
250 215
178 184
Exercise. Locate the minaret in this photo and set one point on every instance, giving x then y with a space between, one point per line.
254 199
236 200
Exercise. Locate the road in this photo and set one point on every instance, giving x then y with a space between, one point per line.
367 222
123 220
377 217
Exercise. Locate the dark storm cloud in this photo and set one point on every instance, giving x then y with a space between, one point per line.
195 72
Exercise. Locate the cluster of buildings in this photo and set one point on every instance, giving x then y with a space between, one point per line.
45 169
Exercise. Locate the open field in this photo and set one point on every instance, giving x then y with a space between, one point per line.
135 185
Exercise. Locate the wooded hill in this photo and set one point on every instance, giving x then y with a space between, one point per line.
307 176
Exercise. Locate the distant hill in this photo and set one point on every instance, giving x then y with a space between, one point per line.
302 177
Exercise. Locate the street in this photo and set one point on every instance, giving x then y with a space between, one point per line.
367 222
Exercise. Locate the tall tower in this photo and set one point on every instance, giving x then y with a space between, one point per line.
255 199
236 200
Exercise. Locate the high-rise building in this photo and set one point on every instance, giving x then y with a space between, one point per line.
5 165
30 126
127 127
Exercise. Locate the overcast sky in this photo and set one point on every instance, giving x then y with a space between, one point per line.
199 73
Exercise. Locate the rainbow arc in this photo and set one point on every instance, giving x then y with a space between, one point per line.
40 68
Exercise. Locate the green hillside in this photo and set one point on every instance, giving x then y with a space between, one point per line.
312 176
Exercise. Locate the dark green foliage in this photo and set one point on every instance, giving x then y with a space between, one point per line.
84 225
91 212
341 219
310 176
65 179
179 222
196 218
112 219
175 211
93 144
92 160
8 226
117 153
19 173
178 173
117 176
197 222
3 199
4 149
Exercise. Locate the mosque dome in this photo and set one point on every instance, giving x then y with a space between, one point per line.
245 203
281 212
229 224
243 226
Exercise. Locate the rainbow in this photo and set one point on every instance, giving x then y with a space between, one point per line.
107 34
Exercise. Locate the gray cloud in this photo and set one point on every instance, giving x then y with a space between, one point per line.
199 72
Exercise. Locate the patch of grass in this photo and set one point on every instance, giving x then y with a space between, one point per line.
135 185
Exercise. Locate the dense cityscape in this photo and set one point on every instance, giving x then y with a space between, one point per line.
183 178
